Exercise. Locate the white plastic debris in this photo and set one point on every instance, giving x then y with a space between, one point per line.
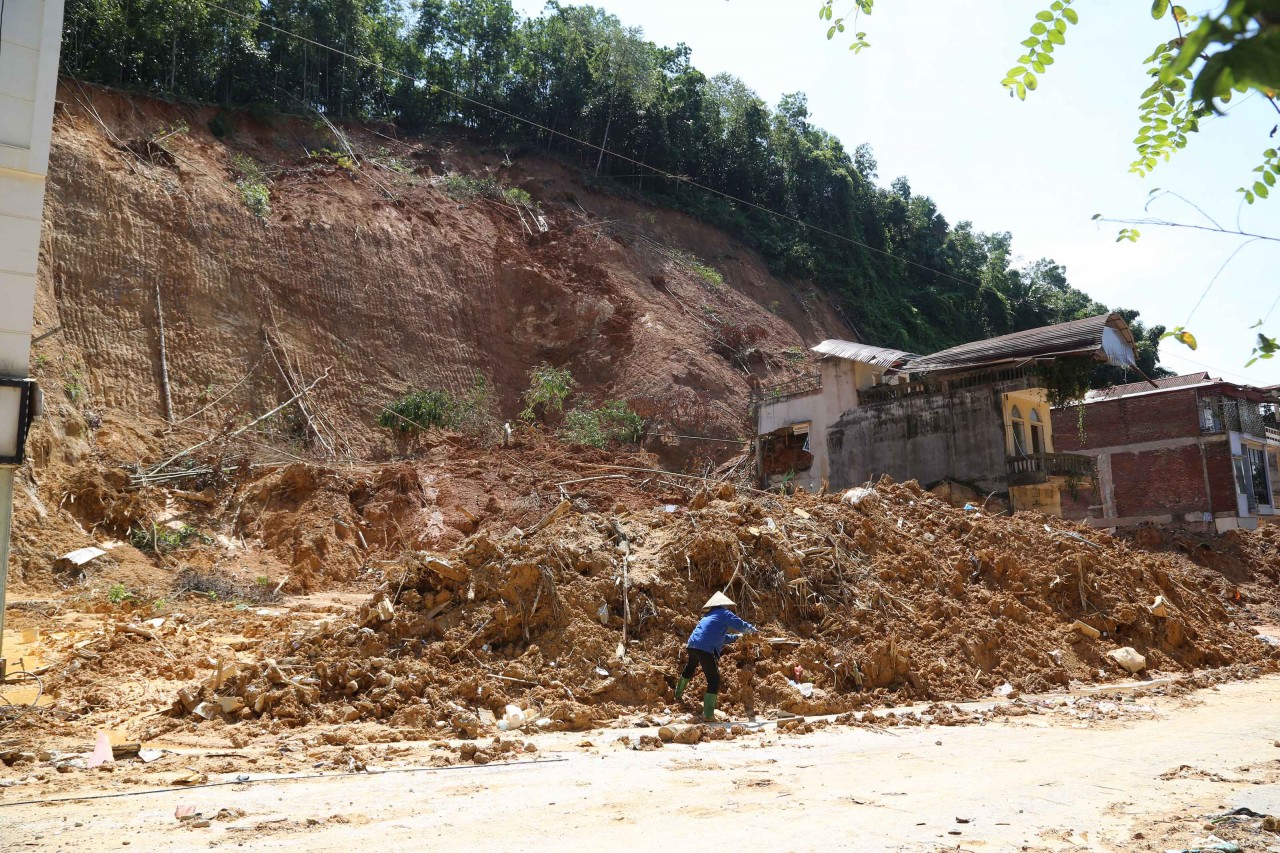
80 556
806 689
857 495
514 717
603 614
1004 690
1128 658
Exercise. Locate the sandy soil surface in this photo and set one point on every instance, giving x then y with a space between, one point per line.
1147 778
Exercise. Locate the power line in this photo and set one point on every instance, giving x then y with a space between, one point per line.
683 179
1271 310
1215 278
1176 356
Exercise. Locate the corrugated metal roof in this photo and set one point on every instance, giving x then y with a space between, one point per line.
1115 392
1070 338
877 356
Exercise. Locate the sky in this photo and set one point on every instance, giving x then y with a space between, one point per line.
927 97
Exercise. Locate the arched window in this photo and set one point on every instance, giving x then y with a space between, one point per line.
1037 433
1019 429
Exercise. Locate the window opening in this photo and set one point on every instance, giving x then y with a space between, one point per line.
1018 427
1258 470
1037 433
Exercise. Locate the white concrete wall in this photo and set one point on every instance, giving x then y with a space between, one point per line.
841 381
30 40
812 408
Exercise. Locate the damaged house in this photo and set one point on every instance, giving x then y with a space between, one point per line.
1189 450
976 415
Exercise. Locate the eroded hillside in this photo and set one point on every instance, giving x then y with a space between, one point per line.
403 267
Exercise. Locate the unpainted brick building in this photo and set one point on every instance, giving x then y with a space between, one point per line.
1193 451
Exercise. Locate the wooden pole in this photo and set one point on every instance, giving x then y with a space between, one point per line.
164 363
254 422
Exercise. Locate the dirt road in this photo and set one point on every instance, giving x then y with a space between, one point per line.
1039 783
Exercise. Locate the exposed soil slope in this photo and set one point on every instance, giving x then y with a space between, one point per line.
386 274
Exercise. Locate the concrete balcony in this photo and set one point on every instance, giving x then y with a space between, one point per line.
1038 468
802 387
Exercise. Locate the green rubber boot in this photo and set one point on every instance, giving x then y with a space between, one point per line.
709 706
681 684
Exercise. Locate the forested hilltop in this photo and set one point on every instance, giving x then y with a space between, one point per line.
902 274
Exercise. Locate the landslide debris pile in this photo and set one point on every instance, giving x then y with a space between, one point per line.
884 593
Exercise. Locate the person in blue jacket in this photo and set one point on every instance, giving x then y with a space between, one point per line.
705 644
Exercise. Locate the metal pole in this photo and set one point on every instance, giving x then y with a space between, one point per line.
6 523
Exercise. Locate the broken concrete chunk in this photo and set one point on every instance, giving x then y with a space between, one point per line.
1128 658
125 750
688 735
190 698
383 611
446 569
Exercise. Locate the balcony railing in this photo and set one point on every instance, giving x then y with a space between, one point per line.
786 390
1037 468
1231 414
880 394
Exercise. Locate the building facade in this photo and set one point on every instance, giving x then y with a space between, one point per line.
973 415
1192 451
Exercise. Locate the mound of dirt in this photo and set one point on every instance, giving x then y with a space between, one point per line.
897 596
1246 562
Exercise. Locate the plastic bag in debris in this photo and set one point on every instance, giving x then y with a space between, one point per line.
806 689
1213 844
857 495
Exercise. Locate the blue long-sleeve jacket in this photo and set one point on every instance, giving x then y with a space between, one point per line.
709 636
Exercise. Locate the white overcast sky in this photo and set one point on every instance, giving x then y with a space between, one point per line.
927 97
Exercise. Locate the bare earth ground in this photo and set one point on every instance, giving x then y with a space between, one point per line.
1143 780
305 625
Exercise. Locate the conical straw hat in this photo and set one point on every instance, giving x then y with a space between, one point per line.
718 600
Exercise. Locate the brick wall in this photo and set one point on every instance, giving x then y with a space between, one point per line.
1222 479
1085 503
1129 420
1158 482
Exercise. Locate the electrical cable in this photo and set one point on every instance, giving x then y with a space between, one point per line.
1271 310
640 164
180 788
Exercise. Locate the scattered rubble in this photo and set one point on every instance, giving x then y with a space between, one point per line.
870 609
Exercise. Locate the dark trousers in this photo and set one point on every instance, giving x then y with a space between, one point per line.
710 668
